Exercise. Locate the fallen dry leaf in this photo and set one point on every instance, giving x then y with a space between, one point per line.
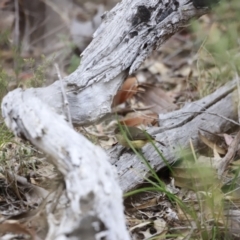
144 119
15 228
211 144
156 97
128 90
195 175
228 138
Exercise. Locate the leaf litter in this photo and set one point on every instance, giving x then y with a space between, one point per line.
183 70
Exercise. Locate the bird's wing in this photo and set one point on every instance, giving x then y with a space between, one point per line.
141 135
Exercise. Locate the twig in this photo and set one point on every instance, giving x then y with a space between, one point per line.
218 115
64 95
57 195
16 30
128 110
16 26
193 228
238 89
230 154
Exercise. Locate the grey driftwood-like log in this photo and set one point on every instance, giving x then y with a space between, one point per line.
128 34
216 113
94 209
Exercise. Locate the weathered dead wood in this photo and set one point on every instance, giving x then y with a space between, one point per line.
128 34
94 206
216 113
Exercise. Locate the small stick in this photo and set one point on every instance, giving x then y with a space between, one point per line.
230 154
238 88
65 100
216 114
16 27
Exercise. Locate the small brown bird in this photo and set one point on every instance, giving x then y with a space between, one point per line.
137 137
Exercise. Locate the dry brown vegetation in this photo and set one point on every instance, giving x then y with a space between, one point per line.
185 201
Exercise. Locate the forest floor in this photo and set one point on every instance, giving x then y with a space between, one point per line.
192 64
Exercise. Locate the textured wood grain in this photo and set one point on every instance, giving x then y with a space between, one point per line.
94 199
215 113
128 34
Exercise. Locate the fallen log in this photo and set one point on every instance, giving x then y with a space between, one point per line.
128 34
94 206
216 113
